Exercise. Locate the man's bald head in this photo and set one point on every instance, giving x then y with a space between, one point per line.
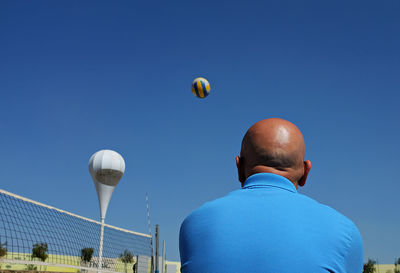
273 146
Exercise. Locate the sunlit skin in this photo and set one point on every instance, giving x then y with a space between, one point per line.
274 146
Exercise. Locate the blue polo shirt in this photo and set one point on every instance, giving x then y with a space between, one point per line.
268 227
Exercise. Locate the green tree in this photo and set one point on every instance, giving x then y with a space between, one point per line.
369 267
397 265
39 251
3 251
126 258
86 254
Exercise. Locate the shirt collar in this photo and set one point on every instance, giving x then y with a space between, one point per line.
263 180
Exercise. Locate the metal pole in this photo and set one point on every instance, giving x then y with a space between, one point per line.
163 257
101 245
151 236
157 271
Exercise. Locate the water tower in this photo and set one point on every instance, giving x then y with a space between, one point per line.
106 168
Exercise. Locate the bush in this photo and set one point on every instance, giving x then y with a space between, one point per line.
39 251
31 267
86 254
369 267
126 258
3 249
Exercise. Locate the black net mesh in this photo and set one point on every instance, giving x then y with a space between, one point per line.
24 224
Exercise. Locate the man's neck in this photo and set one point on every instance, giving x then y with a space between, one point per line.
266 169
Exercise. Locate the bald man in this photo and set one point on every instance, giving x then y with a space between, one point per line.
267 226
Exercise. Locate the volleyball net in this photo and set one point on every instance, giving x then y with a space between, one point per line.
35 236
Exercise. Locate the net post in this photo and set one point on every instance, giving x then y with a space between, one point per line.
157 271
101 245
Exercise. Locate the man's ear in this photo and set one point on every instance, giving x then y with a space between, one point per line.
240 168
307 168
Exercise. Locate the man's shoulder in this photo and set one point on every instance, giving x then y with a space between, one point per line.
212 209
326 214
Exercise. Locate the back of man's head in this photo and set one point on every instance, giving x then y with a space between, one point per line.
273 146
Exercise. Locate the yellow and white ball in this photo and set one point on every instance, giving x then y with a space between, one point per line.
201 87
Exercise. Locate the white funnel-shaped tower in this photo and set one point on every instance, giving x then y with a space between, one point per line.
106 168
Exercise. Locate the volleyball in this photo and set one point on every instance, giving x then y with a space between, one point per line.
201 88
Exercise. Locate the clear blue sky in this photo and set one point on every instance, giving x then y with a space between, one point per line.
79 76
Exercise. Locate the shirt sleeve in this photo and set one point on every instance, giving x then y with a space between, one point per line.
354 261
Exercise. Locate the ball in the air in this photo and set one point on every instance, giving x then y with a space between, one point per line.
201 87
